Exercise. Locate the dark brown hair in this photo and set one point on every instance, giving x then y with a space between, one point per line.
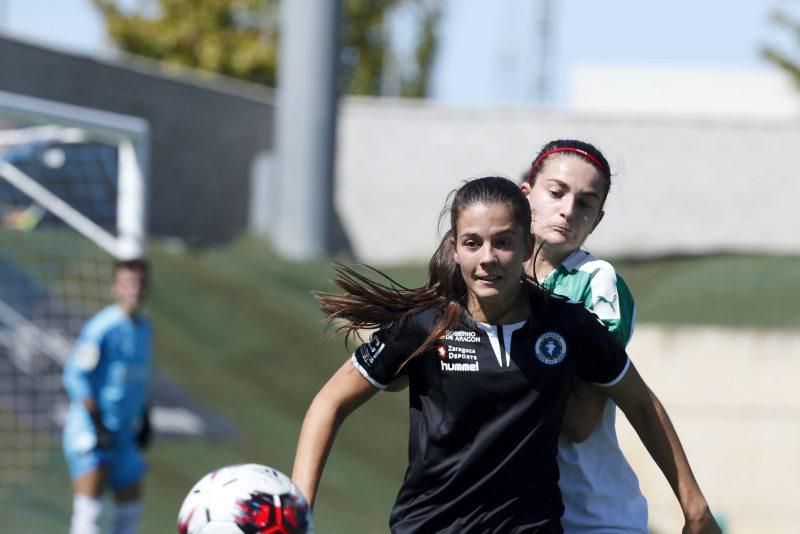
367 303
134 264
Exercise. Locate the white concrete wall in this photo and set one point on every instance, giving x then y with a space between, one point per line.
733 397
682 184
658 89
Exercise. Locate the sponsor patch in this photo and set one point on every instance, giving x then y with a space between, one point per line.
550 348
370 350
455 358
460 367
463 336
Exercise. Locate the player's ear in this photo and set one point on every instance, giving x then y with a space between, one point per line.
597 220
453 246
525 187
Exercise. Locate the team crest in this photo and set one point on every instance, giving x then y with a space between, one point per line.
550 348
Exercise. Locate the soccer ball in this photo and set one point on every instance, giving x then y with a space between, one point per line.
246 498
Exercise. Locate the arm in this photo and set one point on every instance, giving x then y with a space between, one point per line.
83 361
583 412
608 297
344 392
651 422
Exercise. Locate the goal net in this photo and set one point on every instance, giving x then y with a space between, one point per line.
72 199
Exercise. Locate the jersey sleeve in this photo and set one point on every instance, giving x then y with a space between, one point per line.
381 358
612 302
82 361
602 359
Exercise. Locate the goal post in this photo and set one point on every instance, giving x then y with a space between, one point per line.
129 134
73 189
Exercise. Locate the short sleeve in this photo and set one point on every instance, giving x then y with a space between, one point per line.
612 302
381 358
83 360
602 359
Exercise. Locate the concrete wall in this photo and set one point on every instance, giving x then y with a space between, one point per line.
733 398
682 185
206 132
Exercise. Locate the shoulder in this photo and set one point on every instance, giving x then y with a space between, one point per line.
571 314
601 274
610 299
416 324
576 322
104 321
143 322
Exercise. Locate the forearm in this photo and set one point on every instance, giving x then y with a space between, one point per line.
344 392
319 429
658 435
94 411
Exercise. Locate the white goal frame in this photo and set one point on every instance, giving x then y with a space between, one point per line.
130 134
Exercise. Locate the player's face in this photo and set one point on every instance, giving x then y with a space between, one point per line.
129 288
490 250
566 202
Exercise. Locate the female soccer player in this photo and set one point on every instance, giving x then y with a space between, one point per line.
566 187
106 379
489 359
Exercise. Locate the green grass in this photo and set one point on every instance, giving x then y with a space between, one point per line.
727 290
238 327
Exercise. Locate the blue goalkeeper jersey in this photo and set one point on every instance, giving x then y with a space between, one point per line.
110 363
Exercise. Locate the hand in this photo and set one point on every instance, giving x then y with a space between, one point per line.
104 437
145 434
705 524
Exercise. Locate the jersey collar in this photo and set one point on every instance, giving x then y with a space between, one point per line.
572 261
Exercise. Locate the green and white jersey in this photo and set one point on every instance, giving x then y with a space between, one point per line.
600 490
583 278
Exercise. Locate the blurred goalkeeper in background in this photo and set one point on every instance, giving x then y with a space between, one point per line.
107 424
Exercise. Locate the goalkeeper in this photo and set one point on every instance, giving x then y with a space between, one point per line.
107 379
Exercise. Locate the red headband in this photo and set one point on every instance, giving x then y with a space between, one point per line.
583 153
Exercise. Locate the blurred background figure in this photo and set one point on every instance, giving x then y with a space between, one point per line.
107 379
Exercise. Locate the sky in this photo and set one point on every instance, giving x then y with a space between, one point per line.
490 49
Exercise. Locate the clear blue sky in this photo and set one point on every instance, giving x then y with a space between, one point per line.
489 48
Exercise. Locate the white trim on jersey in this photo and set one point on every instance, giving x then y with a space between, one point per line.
619 377
366 374
494 340
575 259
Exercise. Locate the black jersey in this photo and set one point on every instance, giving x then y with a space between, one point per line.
486 405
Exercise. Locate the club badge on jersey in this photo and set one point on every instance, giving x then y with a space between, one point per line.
550 348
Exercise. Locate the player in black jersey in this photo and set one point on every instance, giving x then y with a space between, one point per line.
489 359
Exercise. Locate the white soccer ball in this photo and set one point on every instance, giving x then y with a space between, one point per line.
246 498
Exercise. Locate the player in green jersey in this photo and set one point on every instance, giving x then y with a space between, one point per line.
566 187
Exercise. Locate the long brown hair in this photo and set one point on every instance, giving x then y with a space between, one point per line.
367 303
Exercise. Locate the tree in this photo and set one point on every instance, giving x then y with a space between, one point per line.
781 59
240 38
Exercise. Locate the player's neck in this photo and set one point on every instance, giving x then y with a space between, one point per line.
132 312
545 261
485 312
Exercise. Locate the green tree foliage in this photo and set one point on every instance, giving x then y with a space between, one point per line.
240 38
780 58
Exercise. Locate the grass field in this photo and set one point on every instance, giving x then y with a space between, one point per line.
238 328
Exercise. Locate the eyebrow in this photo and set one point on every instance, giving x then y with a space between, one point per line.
509 230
